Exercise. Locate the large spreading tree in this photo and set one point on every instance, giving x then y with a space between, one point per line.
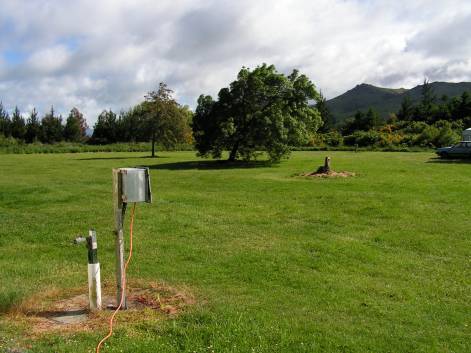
263 110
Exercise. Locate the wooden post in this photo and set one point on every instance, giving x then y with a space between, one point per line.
94 281
119 210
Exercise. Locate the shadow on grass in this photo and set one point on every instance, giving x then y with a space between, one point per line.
116 158
210 165
449 160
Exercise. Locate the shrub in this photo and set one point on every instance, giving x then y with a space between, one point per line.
333 138
362 138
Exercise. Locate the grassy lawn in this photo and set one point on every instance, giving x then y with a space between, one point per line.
375 263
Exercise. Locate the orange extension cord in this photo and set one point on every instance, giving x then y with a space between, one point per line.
123 282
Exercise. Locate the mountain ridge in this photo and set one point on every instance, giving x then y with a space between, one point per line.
386 100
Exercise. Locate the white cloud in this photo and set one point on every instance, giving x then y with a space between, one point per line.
107 54
49 60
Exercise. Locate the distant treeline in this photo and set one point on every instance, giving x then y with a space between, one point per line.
49 129
431 122
159 118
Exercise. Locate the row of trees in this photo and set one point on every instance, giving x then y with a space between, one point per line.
262 110
432 109
159 118
49 129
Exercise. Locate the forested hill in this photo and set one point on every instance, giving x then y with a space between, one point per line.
386 100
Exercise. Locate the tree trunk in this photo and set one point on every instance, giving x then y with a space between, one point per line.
233 154
153 144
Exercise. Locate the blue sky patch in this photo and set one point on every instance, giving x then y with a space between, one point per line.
14 57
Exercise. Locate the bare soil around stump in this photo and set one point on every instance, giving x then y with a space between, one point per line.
330 174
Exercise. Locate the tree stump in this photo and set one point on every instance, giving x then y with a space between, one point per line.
326 167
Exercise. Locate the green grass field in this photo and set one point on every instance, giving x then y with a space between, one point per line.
375 263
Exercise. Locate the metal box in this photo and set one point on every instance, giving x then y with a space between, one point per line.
135 185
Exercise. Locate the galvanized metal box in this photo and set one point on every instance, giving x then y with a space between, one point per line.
135 185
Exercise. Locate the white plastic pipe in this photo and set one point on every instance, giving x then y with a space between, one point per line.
94 286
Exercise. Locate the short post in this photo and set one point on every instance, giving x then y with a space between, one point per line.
119 211
130 185
94 281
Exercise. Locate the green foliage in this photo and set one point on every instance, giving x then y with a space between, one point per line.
386 101
9 145
415 127
261 110
105 130
362 121
159 119
420 134
5 122
331 138
165 120
430 123
18 125
75 126
427 106
363 138
33 127
328 120
52 130
438 135
129 124
406 112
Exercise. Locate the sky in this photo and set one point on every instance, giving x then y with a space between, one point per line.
108 54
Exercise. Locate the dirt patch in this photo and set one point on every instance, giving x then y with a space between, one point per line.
330 174
326 171
56 311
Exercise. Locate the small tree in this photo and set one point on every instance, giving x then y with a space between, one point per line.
406 111
5 122
18 125
131 127
75 126
426 109
33 127
164 118
51 128
328 120
362 121
106 128
464 107
261 110
372 120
